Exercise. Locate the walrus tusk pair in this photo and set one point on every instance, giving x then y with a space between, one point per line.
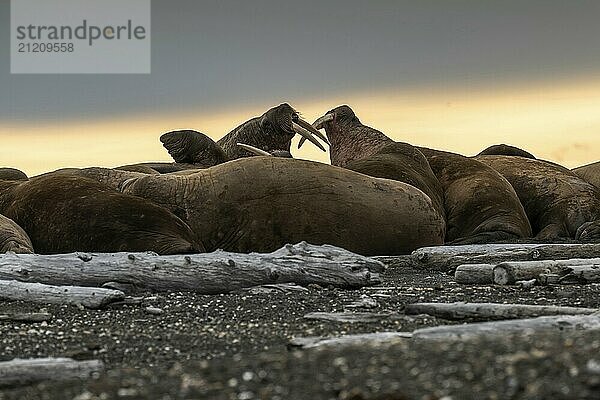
318 124
307 131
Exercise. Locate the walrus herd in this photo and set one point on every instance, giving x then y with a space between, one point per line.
246 193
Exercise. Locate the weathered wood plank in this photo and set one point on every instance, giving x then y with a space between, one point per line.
22 372
445 258
90 297
218 272
492 311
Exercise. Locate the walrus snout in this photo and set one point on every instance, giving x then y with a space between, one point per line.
319 123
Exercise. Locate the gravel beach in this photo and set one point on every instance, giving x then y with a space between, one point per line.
237 346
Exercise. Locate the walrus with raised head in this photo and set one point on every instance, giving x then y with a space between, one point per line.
271 132
262 203
480 205
62 213
366 150
559 203
13 237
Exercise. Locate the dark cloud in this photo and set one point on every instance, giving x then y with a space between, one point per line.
216 54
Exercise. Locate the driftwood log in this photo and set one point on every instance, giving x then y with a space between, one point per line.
352 317
211 273
90 297
515 326
447 258
573 270
22 372
492 311
26 317
348 340
496 330
474 274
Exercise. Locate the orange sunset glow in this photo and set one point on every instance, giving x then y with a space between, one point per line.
558 122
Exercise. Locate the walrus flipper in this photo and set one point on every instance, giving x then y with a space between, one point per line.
192 147
589 232
13 237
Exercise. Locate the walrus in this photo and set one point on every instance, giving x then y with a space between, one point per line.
480 205
559 203
13 237
62 213
506 150
12 174
273 131
262 203
366 150
589 173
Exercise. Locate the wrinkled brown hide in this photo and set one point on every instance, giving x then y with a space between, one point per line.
62 213
559 204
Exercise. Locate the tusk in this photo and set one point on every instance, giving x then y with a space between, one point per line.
255 150
301 142
307 134
318 124
312 130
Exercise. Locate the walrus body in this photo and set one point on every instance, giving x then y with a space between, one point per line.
63 213
480 205
12 174
262 203
13 237
559 204
506 150
589 173
405 163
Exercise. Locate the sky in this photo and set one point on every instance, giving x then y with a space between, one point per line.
457 75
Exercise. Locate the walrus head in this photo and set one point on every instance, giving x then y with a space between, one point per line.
342 115
281 124
272 131
349 138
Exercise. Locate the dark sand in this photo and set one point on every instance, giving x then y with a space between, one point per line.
235 346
